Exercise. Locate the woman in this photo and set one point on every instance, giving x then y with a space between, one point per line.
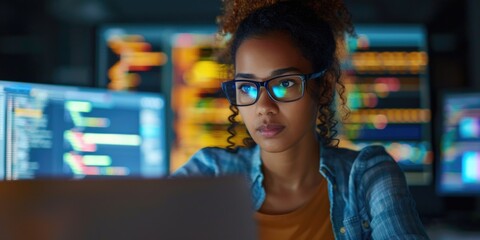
304 187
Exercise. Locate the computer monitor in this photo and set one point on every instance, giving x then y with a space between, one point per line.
51 131
459 165
385 71
189 76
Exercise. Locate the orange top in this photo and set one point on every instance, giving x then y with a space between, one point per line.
310 221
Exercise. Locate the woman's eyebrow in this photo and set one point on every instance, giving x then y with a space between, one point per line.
245 75
283 70
272 74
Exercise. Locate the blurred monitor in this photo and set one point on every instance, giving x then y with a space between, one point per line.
132 58
459 166
51 131
385 71
188 75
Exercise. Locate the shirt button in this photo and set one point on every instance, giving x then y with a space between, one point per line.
365 224
335 186
343 230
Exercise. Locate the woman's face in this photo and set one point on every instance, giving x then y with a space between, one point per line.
275 126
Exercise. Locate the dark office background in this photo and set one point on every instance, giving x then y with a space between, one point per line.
54 41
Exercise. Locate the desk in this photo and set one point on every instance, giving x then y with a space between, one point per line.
442 231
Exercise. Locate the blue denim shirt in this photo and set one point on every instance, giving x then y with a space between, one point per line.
369 198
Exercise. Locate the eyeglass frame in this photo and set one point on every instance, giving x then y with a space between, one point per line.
305 78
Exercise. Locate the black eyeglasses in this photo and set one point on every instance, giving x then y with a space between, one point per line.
284 88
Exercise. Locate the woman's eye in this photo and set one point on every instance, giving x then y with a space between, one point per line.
287 83
245 88
249 90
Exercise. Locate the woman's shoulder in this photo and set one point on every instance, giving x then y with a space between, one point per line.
372 155
216 161
356 162
364 154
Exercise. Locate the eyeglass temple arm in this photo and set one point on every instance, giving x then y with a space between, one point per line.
317 74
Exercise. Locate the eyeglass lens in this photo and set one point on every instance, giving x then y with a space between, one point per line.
283 89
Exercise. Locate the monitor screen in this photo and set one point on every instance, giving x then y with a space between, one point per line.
190 78
51 131
385 71
459 167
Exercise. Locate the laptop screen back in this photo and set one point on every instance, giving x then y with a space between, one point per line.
194 208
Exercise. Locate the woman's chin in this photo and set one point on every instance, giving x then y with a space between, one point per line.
272 145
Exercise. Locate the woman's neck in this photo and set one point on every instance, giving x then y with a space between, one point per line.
294 168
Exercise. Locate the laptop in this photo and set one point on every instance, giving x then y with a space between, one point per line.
188 208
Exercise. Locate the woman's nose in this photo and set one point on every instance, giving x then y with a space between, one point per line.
265 104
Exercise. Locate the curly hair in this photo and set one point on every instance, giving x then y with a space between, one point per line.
316 28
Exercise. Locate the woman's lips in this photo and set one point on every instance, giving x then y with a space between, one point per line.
269 131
